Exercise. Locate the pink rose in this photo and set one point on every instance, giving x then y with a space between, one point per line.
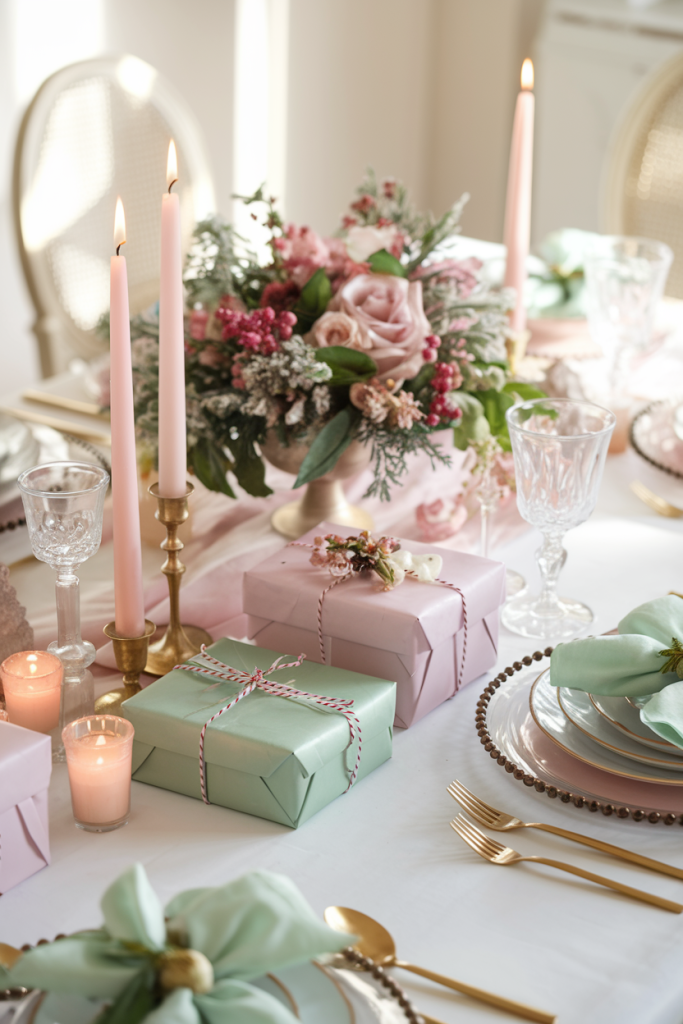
441 518
303 252
392 322
336 329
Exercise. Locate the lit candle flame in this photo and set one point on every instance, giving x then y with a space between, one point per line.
527 74
119 226
171 165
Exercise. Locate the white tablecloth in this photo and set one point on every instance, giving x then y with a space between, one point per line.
527 932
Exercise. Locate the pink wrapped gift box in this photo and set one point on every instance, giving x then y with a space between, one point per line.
25 769
412 635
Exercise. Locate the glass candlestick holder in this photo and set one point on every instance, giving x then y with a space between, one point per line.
63 503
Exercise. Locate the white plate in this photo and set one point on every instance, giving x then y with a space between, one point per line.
312 992
624 716
579 709
516 734
548 715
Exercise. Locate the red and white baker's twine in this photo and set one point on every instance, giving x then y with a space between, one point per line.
257 679
356 572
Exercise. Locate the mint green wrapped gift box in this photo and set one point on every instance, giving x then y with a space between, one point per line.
273 757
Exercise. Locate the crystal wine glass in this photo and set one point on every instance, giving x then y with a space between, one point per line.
625 279
63 502
489 491
559 447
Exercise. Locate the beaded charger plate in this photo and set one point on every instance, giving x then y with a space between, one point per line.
512 738
312 992
656 435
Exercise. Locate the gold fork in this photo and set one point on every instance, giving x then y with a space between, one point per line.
496 853
653 501
499 821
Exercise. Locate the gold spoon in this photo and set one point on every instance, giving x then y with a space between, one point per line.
375 942
8 955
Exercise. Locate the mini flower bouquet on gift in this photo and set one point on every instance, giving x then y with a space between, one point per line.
371 336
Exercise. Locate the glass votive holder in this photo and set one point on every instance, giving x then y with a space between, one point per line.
99 751
32 681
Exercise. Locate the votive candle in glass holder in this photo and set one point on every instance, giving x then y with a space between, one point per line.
32 681
99 751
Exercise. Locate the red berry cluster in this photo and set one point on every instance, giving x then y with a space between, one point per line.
259 331
440 408
432 344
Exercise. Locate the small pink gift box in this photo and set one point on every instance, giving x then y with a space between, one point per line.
412 635
25 769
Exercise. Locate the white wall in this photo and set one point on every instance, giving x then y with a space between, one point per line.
422 90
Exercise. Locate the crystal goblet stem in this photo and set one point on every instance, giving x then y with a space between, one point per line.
74 652
559 447
63 502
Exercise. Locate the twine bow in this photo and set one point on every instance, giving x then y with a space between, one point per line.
257 680
354 566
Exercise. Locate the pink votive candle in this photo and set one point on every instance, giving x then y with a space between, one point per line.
99 752
32 681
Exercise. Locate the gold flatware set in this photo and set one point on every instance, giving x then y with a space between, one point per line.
496 853
375 942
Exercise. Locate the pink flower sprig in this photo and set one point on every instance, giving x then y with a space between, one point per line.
343 556
259 331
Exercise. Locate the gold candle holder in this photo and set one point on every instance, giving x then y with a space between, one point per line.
515 345
131 657
179 642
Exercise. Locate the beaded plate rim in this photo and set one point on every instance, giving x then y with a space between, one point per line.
636 447
539 784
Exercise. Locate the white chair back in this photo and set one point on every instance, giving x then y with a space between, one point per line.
95 130
643 179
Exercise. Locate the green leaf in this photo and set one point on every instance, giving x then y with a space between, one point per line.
420 381
348 365
333 439
133 1003
383 262
496 404
211 466
249 468
473 426
524 391
316 294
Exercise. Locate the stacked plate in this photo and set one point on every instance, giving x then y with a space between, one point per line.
605 732
596 747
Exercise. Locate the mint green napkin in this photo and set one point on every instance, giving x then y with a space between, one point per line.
256 924
663 713
629 663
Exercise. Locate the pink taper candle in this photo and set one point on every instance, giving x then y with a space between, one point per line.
172 443
518 205
130 611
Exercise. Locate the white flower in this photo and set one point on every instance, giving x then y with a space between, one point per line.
295 413
425 568
362 242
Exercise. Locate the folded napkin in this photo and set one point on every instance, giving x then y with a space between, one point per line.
630 663
663 713
560 290
187 964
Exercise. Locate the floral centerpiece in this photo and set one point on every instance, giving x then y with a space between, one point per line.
371 336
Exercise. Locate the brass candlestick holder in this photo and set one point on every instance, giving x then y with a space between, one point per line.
179 642
515 345
131 657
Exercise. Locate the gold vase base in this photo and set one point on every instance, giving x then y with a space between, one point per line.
175 648
298 517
